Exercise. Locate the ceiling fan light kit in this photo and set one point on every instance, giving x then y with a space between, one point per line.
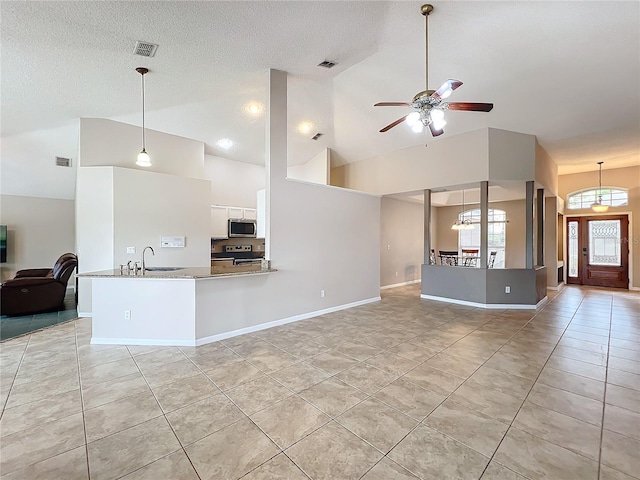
429 104
597 206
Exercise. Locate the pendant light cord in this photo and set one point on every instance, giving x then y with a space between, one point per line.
143 142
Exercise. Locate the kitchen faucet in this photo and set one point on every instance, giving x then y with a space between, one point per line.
143 251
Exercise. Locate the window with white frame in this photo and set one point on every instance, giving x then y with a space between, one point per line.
614 197
470 239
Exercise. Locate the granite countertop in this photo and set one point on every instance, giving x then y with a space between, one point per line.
183 273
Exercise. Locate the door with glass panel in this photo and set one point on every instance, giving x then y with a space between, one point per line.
598 251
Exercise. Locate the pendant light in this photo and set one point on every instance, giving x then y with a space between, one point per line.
597 206
462 224
143 159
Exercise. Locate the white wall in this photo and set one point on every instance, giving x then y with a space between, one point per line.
320 238
512 156
39 231
120 205
479 155
401 241
233 183
148 205
94 227
105 142
315 170
28 163
451 161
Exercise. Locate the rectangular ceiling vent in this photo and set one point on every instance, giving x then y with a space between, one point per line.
316 136
63 162
145 49
327 64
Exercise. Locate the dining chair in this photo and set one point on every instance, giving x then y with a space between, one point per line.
472 253
448 257
492 258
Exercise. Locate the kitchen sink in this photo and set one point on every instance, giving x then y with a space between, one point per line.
163 269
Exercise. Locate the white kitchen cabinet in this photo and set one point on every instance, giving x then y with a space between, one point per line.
261 213
219 217
250 213
235 212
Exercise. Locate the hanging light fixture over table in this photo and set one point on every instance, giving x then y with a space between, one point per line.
597 206
143 159
462 224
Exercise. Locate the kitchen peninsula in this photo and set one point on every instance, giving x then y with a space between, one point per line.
162 307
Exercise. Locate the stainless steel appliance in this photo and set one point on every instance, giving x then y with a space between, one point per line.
242 227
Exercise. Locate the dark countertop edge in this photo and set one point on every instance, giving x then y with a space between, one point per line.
171 275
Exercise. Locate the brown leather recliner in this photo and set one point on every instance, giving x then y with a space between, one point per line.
37 290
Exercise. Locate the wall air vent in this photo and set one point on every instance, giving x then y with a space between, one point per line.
63 162
327 64
316 136
145 49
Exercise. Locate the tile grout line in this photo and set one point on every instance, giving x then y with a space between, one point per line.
604 398
13 381
529 392
84 419
164 415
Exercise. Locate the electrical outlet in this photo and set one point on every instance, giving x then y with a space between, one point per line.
396 274
507 289
127 314
388 247
131 249
321 293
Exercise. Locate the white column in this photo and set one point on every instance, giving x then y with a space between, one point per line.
276 144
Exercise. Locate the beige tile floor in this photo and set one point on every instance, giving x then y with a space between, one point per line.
400 389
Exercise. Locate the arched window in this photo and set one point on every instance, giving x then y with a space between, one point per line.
614 197
497 233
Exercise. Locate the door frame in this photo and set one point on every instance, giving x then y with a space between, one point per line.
600 216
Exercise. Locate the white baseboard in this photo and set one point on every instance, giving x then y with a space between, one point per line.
85 314
558 288
143 341
283 321
635 289
226 335
515 306
400 284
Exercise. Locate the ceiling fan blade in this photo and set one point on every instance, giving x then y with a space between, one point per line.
447 87
471 106
391 125
391 104
435 131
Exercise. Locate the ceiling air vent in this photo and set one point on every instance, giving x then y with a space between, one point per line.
316 136
327 64
145 49
63 162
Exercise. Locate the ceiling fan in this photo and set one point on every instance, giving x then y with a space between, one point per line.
429 105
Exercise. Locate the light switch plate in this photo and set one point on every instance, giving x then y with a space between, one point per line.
131 249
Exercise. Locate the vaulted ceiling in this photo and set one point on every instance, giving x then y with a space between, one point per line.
567 72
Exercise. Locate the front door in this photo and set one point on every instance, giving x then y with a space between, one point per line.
598 251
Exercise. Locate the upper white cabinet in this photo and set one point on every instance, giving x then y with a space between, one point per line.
220 214
219 219
235 212
261 213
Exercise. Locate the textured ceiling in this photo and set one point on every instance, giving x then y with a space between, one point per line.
567 72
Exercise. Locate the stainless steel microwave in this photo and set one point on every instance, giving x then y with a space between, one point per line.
242 227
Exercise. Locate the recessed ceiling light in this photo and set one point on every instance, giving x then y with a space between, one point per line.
305 128
225 143
254 109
